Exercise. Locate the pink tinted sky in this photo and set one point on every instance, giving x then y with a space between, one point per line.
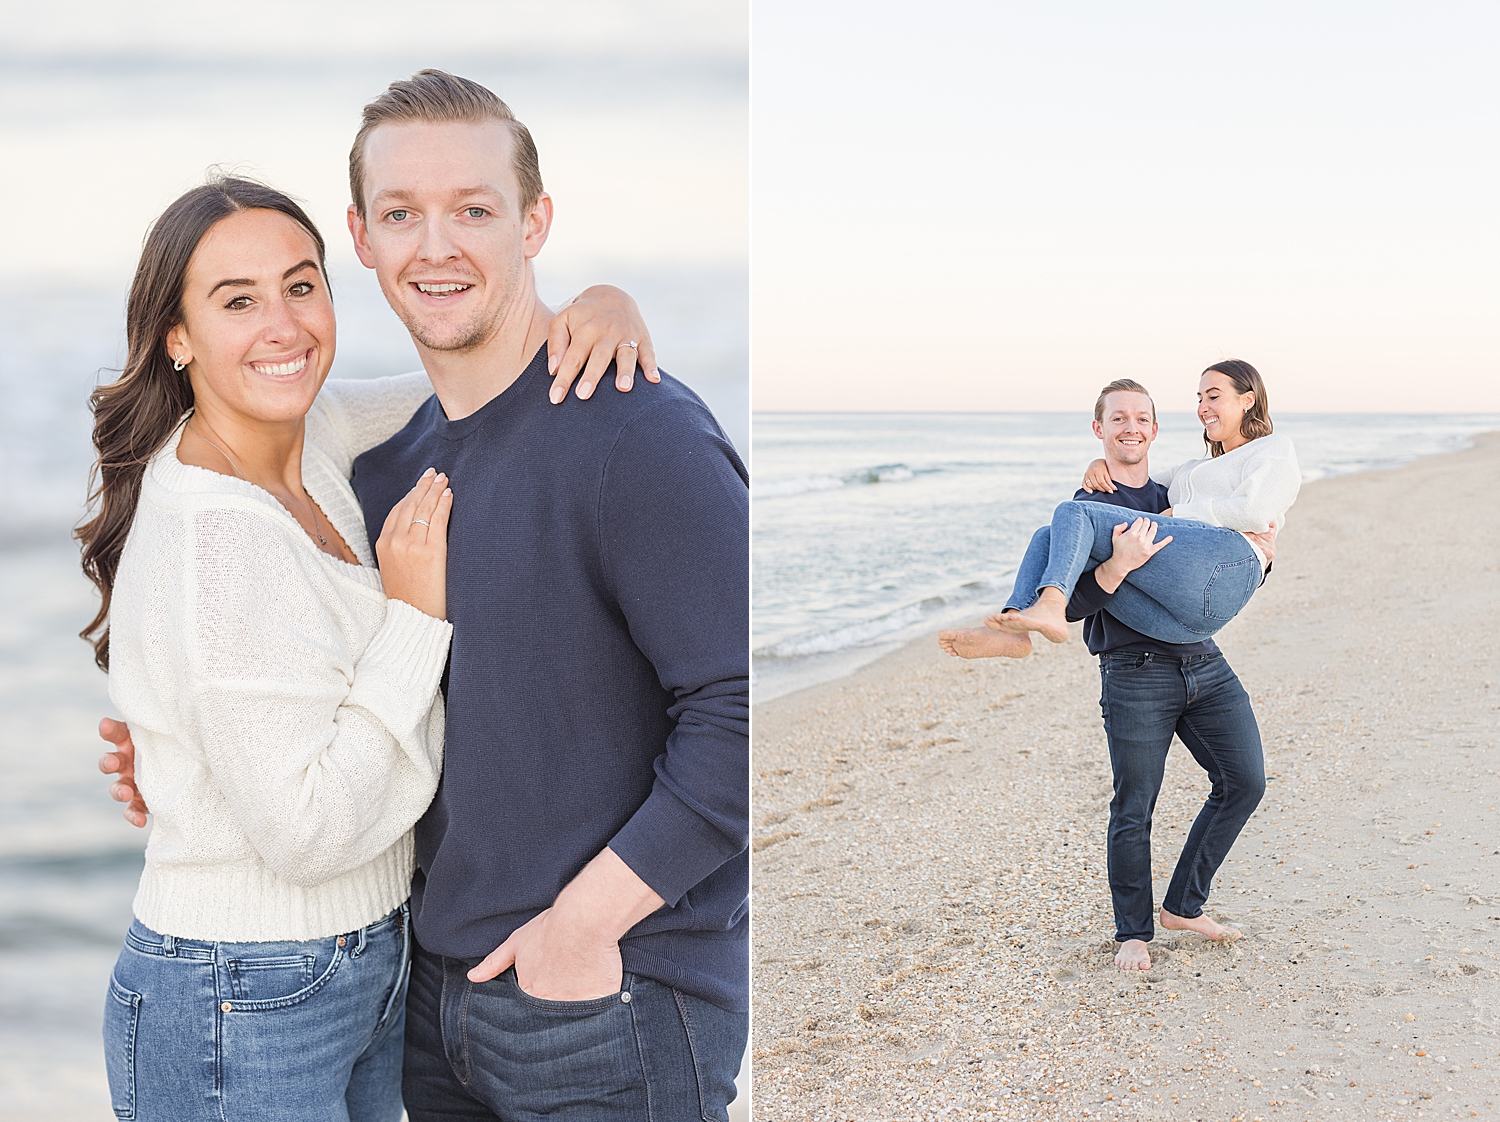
1000 206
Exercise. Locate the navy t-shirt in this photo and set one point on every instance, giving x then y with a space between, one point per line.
1101 631
598 688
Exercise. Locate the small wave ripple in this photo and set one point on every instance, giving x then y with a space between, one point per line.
803 484
881 628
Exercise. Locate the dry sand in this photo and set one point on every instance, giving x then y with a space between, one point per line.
933 932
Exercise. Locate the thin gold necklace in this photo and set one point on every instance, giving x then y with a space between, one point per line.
312 507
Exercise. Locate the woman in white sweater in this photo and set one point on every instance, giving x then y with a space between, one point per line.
281 691
1243 484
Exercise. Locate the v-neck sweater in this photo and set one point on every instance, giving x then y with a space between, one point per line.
286 714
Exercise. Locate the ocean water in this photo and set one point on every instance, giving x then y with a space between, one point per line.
872 529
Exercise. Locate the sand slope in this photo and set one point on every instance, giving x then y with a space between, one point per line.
933 926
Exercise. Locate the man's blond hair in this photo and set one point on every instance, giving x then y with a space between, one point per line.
1122 385
436 95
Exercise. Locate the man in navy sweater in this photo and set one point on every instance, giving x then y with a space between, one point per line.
580 903
581 899
1151 690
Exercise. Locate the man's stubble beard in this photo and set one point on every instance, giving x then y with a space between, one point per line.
1129 456
465 337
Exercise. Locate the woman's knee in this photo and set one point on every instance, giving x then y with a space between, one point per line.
1072 508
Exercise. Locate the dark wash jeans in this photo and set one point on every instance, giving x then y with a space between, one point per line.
1146 697
490 1051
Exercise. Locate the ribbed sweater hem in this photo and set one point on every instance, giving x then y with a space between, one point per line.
245 902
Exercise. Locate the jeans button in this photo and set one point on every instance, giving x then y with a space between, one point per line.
227 1007
625 997
342 940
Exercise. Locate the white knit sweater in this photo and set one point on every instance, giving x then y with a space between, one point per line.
286 715
1245 490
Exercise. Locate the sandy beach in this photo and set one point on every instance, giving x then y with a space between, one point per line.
933 933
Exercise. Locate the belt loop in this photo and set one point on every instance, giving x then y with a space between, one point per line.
359 944
169 945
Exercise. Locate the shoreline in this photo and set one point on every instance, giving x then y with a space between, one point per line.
835 665
933 922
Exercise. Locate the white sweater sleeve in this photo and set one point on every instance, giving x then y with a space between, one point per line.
1267 487
1166 476
351 415
325 759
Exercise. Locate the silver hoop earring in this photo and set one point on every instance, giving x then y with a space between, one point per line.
177 363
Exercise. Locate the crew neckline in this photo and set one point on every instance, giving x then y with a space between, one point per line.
465 427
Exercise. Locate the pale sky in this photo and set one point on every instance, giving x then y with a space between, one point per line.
109 110
1000 206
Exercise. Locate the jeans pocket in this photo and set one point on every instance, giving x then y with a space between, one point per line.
270 978
716 1089
122 1014
581 1059
1230 588
589 1005
287 973
1122 663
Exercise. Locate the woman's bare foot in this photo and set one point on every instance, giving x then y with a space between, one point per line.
1134 955
1048 617
1202 925
981 642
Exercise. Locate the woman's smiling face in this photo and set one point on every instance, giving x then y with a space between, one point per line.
1221 408
258 325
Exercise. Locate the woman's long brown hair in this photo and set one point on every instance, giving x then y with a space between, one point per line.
1256 422
135 414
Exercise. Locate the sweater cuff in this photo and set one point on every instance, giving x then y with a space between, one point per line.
670 846
411 646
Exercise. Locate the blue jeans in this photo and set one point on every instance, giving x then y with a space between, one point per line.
1184 594
490 1051
1145 698
294 1031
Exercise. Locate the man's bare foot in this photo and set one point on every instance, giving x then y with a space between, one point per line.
1048 617
1202 925
1134 955
981 642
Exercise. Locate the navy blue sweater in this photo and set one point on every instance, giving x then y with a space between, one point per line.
1090 603
598 688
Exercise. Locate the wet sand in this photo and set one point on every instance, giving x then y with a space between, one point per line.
933 932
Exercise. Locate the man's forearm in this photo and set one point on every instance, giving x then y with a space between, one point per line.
606 899
1110 575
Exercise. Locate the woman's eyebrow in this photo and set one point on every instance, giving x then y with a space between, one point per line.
246 282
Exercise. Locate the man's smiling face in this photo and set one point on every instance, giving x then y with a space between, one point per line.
445 229
1128 428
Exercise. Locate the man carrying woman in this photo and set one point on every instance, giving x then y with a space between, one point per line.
1151 687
